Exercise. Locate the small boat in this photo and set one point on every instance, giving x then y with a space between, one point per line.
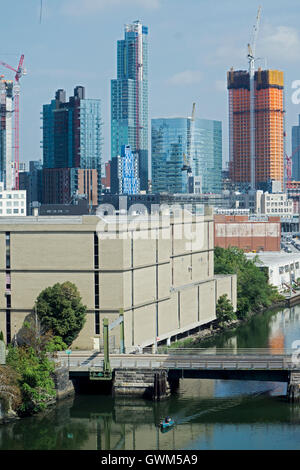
166 424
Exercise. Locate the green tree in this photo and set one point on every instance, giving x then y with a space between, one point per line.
253 289
61 311
1 336
224 310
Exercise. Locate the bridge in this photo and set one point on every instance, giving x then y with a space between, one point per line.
155 374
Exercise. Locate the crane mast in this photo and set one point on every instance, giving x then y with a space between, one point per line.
19 72
251 58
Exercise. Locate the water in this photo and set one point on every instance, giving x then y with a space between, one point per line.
210 414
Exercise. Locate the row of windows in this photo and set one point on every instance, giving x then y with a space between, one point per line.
10 203
286 268
12 196
12 211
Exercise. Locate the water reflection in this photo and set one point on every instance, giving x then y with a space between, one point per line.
91 422
209 414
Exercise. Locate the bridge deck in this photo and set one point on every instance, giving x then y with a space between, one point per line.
84 361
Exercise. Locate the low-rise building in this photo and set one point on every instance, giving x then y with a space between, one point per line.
277 204
282 268
12 202
247 233
159 272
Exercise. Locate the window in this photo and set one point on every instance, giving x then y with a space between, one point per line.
8 211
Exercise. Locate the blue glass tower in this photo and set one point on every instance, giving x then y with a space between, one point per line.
129 97
180 141
124 172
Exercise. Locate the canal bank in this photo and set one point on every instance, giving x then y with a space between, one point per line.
209 414
214 329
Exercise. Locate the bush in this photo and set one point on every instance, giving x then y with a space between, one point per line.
34 377
224 310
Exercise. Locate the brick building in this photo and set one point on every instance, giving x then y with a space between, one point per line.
249 234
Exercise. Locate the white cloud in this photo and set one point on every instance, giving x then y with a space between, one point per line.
87 7
280 42
276 44
188 77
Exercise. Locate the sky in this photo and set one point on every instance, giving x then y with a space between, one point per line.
192 45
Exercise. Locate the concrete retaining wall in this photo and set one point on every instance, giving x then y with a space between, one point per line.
143 383
63 385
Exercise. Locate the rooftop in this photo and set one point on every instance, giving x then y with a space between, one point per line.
269 258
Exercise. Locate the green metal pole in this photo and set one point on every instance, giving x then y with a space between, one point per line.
106 345
122 337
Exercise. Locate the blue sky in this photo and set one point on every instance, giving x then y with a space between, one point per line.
192 44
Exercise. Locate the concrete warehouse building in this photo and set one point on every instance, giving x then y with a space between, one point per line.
163 279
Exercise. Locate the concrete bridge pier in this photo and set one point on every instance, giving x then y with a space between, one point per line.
145 383
293 389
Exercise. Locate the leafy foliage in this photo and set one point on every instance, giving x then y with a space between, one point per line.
32 335
10 393
224 310
253 289
61 311
34 377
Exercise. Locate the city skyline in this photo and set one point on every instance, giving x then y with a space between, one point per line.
190 49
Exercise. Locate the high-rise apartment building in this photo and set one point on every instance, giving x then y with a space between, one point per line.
31 181
177 141
129 97
124 173
296 152
7 174
268 132
72 139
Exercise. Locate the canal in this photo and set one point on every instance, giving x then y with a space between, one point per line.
210 414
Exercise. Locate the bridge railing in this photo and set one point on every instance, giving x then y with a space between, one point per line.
224 351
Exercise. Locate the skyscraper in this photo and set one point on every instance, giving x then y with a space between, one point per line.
296 151
129 97
177 141
268 132
7 174
124 173
72 139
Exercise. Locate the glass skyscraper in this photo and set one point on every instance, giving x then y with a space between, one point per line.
129 97
180 141
72 139
296 151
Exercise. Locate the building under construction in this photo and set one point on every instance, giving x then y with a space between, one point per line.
6 134
268 128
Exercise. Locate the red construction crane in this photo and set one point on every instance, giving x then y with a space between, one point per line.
19 72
